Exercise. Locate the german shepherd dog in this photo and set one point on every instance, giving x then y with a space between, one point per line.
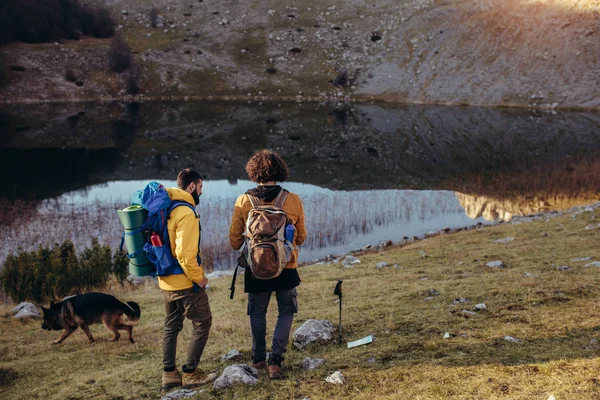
82 310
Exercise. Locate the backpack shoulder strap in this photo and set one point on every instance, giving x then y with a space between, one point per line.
178 203
254 201
281 197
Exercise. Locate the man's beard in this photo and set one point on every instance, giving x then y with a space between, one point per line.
196 197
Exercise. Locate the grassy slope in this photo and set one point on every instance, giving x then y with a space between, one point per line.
554 314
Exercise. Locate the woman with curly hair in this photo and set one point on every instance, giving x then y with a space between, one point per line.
267 168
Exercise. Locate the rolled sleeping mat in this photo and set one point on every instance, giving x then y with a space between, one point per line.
132 218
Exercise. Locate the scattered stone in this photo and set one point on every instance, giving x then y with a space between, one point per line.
593 264
480 306
551 397
224 21
528 275
511 339
371 360
350 261
433 292
313 331
232 355
468 313
562 268
336 378
496 264
310 364
381 265
428 299
505 240
396 266
460 300
237 374
446 335
180 394
589 227
581 259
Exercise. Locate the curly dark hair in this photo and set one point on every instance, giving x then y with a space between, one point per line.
265 166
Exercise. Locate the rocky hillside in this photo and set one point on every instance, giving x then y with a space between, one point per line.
540 53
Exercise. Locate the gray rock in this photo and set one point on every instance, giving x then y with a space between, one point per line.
336 378
350 261
505 240
310 364
22 306
511 339
28 312
232 355
528 275
428 299
581 259
237 374
180 394
496 264
313 331
593 264
468 313
480 306
381 265
433 292
562 267
460 300
372 360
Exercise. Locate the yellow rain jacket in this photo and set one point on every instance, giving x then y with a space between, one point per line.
184 235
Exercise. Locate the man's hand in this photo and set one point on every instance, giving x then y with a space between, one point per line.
203 282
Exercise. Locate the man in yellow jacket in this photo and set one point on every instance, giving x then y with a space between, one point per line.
184 293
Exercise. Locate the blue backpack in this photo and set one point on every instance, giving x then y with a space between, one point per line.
155 199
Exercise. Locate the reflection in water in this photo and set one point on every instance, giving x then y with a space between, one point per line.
504 209
336 221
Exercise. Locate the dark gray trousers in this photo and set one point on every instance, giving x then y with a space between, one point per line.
287 305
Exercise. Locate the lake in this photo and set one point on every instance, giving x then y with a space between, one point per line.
366 173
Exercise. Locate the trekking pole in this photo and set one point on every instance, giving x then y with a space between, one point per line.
338 292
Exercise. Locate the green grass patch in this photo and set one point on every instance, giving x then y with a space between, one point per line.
554 315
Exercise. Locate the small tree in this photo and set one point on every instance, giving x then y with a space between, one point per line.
153 15
119 55
120 265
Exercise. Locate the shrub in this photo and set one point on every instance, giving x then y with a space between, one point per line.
120 265
52 273
119 55
70 75
35 21
132 81
153 15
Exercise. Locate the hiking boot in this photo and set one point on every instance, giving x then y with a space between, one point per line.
171 379
197 378
274 367
260 365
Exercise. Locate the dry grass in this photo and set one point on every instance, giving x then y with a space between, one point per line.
554 314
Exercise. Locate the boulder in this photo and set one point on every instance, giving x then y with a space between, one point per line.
349 261
25 310
313 331
310 364
479 307
237 374
22 306
593 264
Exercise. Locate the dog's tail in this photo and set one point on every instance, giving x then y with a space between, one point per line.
132 310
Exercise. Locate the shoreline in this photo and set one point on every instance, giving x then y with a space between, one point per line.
312 99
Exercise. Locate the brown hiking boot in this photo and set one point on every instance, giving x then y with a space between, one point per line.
274 371
260 365
197 378
171 379
274 367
